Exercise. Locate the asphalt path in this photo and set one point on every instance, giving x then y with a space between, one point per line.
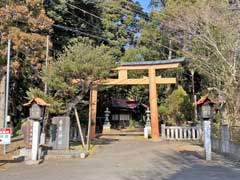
132 160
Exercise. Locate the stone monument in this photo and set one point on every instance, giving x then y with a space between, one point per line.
60 133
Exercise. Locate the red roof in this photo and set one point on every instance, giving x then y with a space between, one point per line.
126 103
38 101
202 100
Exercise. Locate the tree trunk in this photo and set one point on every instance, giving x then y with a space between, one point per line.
2 99
76 100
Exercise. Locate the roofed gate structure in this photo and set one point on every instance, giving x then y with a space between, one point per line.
152 80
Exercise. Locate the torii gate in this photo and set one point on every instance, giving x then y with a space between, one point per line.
152 80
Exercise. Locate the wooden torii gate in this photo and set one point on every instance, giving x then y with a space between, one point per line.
152 80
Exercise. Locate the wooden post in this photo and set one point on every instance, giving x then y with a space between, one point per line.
153 102
122 74
80 128
93 105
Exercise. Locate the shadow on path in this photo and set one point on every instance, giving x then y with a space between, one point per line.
185 165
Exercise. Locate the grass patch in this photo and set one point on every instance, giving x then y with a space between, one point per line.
78 146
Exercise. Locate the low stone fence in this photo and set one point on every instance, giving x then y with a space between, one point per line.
225 146
180 132
233 150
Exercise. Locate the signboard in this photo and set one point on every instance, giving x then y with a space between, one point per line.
5 135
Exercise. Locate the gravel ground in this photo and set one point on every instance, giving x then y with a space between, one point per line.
132 160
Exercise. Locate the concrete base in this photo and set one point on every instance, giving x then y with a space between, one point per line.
83 155
65 154
18 158
106 128
31 162
147 132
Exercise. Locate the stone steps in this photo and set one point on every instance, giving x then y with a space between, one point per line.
64 154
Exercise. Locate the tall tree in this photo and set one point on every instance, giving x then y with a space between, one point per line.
25 23
120 22
77 68
209 31
73 18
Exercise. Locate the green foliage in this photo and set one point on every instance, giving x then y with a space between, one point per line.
120 23
177 109
81 62
210 35
140 93
133 124
16 129
70 14
215 129
56 107
151 44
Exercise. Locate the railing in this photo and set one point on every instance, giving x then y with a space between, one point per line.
180 132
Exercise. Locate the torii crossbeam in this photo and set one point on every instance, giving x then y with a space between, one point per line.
152 80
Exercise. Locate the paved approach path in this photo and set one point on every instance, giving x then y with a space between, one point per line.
132 160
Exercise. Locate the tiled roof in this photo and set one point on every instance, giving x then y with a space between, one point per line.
202 100
38 101
136 63
126 103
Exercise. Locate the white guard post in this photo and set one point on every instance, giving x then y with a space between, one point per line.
35 140
207 139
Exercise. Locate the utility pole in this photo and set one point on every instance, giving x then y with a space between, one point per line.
43 136
46 62
7 83
193 95
7 91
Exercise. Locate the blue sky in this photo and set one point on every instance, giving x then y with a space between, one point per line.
144 4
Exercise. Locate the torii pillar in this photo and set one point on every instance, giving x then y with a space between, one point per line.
153 103
93 110
152 80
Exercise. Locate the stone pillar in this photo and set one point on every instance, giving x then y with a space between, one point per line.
35 140
207 139
93 109
153 103
163 131
225 138
2 100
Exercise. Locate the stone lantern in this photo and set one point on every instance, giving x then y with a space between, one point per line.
206 110
37 108
36 111
107 125
147 128
205 106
